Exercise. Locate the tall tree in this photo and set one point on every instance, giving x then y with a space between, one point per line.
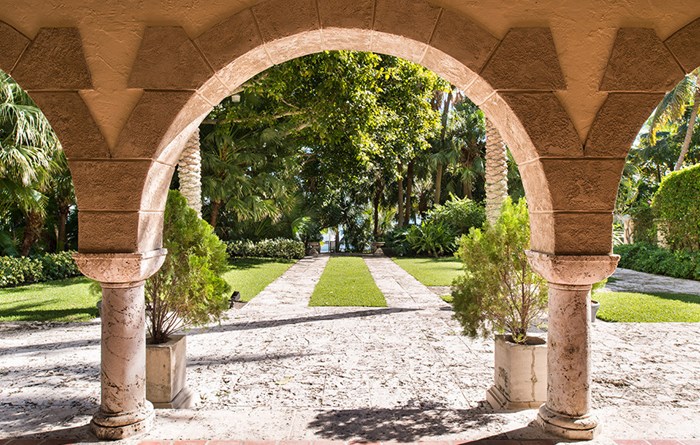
496 172
189 170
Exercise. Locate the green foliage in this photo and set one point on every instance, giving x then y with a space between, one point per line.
644 257
188 290
47 267
645 230
432 271
677 206
267 248
459 215
346 281
636 307
306 230
431 238
499 291
396 243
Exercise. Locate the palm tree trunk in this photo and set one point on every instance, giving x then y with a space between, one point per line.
215 206
61 235
190 173
32 230
689 131
438 184
378 188
443 133
496 173
400 199
409 191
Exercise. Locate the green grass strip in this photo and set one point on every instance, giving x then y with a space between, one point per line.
346 281
432 271
637 307
61 300
250 276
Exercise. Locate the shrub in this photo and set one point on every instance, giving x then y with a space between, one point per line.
47 267
459 215
677 207
396 242
644 257
188 290
267 248
432 238
499 291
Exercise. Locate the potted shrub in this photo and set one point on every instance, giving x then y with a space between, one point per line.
187 291
500 294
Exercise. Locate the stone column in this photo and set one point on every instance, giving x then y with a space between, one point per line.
124 410
567 412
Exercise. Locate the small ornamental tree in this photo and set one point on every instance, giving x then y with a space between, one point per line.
499 292
188 290
677 207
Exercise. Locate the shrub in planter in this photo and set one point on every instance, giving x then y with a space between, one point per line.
499 293
677 207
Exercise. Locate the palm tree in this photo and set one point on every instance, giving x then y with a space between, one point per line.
673 109
27 147
496 172
189 170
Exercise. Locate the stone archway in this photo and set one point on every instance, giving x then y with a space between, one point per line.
570 175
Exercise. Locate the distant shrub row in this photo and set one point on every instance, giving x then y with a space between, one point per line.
25 270
648 258
267 248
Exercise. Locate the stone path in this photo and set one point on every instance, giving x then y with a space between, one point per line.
280 370
626 280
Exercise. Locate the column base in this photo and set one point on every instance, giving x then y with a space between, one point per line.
575 428
122 426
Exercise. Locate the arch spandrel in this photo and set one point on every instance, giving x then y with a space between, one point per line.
12 45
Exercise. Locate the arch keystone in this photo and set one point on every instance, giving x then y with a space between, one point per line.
526 59
402 23
685 45
639 61
168 60
345 23
12 43
54 60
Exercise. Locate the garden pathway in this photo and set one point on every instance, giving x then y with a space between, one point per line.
280 370
626 280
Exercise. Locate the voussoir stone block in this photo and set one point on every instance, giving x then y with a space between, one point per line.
109 184
230 39
168 60
414 19
546 122
346 24
463 40
451 70
71 120
618 122
12 43
639 61
526 59
685 45
289 28
54 60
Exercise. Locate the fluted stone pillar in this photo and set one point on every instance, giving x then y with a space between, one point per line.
567 412
124 410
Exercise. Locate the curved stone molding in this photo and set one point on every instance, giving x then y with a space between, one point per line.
120 268
12 44
526 59
573 270
54 60
639 61
230 39
168 60
685 45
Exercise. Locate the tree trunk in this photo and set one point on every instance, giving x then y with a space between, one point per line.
496 173
443 133
32 230
190 173
438 184
215 206
337 239
400 199
61 235
409 190
466 189
691 127
375 203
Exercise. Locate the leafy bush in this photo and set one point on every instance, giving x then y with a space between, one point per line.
267 248
499 291
459 215
396 242
188 290
432 238
677 207
644 230
645 257
25 270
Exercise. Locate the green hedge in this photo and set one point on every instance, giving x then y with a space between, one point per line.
48 267
267 248
677 208
648 258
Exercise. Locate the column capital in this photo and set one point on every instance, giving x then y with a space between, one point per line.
120 268
573 270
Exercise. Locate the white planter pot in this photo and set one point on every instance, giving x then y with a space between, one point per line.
166 384
520 375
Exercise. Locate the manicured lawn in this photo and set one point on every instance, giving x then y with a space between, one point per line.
648 308
250 276
432 271
346 281
61 300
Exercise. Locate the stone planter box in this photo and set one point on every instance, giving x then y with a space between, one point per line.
520 374
377 248
166 384
313 249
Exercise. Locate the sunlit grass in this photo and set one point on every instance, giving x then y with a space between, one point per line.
648 307
432 271
250 276
346 281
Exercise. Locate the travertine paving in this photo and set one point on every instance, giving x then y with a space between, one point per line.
278 369
626 280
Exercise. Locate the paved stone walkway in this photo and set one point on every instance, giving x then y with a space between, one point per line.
280 370
626 280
